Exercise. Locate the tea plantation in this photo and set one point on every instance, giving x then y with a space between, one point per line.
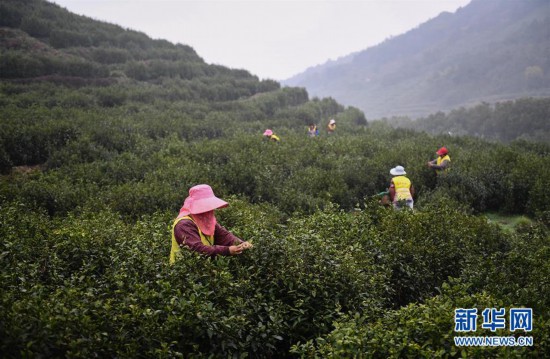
104 130
86 237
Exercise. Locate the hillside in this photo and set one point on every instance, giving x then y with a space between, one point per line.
487 51
41 42
53 59
521 119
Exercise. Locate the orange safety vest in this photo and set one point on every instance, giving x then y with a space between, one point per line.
206 240
402 188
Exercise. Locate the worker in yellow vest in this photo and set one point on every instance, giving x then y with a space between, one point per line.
442 163
197 228
312 130
268 134
401 189
331 127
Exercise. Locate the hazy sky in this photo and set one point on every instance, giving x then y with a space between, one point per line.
273 39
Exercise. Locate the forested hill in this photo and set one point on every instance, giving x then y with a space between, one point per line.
486 51
41 41
521 119
87 70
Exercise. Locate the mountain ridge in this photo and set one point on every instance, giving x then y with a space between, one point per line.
449 61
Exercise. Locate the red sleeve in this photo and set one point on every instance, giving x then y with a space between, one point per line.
392 190
225 238
186 232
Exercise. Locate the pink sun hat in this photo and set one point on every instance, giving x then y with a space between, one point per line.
268 132
201 199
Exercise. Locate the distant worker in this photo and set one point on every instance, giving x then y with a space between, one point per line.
442 163
331 127
196 227
268 134
312 130
401 189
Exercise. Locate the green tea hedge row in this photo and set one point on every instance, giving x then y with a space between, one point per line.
119 167
421 330
90 284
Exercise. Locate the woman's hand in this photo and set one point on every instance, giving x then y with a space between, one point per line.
246 245
235 250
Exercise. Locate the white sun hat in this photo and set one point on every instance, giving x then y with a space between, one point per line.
398 171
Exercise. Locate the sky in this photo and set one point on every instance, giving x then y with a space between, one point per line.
272 39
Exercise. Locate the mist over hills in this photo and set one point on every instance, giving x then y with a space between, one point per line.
487 51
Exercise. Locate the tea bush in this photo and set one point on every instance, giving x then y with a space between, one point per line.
86 241
88 283
417 330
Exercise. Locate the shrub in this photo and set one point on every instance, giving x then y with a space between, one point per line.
417 330
10 16
36 26
16 65
66 38
110 55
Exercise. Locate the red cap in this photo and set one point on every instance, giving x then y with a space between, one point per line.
442 151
